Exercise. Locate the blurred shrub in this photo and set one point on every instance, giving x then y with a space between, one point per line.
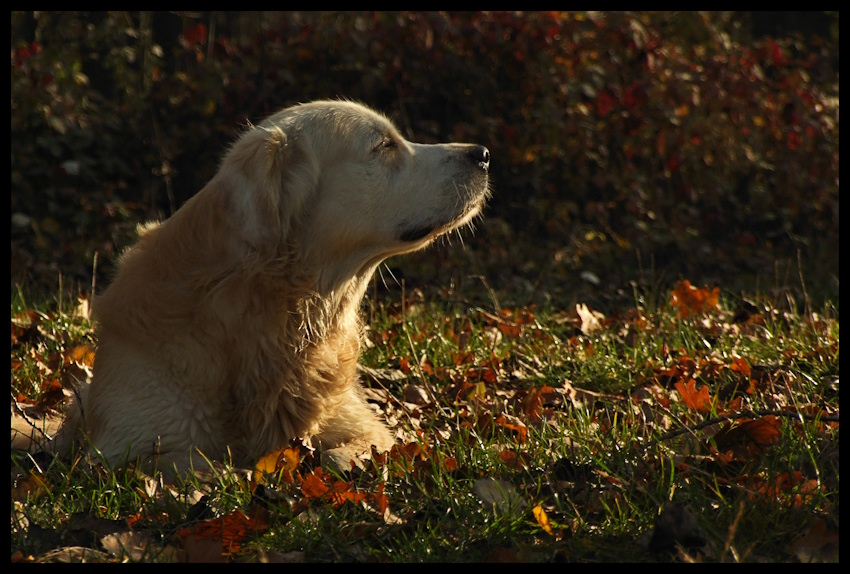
671 135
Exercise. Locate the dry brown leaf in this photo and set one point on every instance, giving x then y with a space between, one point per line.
134 545
202 551
749 437
819 544
74 555
514 460
590 320
34 487
83 308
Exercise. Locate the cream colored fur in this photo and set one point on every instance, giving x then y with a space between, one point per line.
232 327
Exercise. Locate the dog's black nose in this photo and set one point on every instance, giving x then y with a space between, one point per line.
481 155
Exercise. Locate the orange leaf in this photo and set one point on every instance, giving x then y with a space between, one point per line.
699 401
51 385
337 492
761 433
288 461
754 436
741 366
313 485
381 500
81 354
514 425
266 466
690 300
513 459
510 330
450 464
542 519
230 529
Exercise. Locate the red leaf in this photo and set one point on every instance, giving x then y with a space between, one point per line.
231 529
776 53
697 400
513 459
634 97
196 34
604 103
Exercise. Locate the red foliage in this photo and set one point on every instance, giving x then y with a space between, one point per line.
680 136
230 530
195 35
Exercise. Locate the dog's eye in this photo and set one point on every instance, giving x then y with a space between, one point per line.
386 143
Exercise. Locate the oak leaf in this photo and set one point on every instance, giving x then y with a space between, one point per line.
749 437
697 400
690 300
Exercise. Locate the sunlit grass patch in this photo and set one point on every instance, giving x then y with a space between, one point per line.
529 434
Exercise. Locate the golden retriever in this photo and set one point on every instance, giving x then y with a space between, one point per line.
233 326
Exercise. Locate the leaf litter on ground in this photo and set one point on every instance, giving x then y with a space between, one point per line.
703 395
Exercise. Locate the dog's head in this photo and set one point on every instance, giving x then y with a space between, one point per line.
338 182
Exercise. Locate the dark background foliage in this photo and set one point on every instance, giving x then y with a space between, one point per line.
629 149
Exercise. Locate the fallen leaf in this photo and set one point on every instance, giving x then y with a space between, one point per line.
749 437
590 320
202 551
229 530
696 400
80 354
33 486
83 308
513 459
819 544
740 366
690 300
542 519
513 424
136 545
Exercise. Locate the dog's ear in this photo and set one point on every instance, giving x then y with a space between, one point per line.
269 175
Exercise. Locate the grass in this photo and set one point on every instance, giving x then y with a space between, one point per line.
650 436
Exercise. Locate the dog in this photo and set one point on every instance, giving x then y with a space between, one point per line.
233 326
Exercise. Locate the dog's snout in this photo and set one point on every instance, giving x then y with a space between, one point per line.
481 155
